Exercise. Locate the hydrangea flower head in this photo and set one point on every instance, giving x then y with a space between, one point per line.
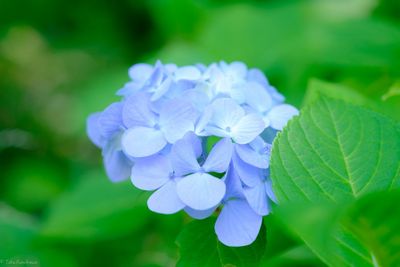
199 137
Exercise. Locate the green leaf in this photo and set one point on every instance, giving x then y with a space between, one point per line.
393 91
388 104
199 246
18 244
361 233
316 88
317 224
335 151
375 219
96 209
16 230
299 256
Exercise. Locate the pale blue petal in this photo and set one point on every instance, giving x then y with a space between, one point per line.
220 156
237 225
137 111
248 174
276 96
198 98
270 192
199 214
226 113
280 115
142 141
214 130
184 154
247 129
257 198
201 191
110 120
238 93
177 117
258 157
258 76
202 122
257 97
234 188
151 173
117 165
157 75
130 88
187 73
165 200
140 72
93 130
239 68
162 89
170 68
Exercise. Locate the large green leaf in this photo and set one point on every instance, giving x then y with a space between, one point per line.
388 104
199 246
96 209
316 88
360 233
375 219
334 152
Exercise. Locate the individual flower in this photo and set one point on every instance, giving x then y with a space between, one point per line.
199 137
105 130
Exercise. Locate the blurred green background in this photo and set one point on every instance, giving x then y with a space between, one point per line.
62 60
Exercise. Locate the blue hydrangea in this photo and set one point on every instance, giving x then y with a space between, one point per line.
160 132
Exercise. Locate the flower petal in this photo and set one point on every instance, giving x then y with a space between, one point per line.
151 173
162 89
140 72
257 97
239 68
177 117
110 120
270 192
256 75
130 88
248 128
117 165
201 191
237 225
226 113
248 174
280 115
253 157
220 156
199 214
93 130
184 154
187 73
165 200
257 198
142 141
198 98
137 111
234 188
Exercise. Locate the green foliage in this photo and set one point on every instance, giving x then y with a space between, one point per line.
317 88
333 153
54 208
199 246
83 215
377 225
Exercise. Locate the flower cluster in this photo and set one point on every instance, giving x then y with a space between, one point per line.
200 137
